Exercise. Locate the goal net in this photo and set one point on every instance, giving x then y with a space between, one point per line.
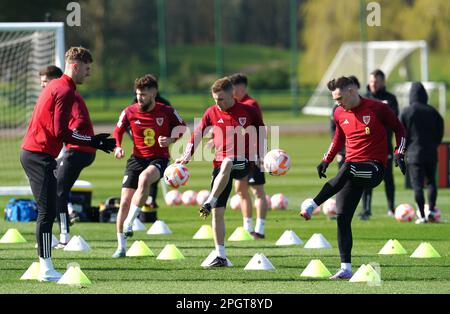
359 59
25 48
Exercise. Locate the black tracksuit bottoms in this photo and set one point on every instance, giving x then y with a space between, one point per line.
40 169
349 184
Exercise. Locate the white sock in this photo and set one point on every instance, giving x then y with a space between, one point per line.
64 237
133 213
220 249
63 223
260 225
248 224
46 264
346 266
212 201
122 241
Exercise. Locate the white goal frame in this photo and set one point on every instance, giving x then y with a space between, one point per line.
320 102
58 29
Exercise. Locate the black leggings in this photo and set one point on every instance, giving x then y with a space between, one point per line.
69 169
418 173
348 184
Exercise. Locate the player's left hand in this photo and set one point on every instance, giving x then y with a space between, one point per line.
165 141
399 160
321 169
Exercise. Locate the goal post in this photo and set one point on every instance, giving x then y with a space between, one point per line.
359 59
25 48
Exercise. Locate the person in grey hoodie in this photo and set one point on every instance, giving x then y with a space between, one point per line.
425 129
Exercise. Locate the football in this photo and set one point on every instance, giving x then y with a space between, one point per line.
235 202
173 197
329 208
277 162
404 212
189 197
202 196
279 201
176 175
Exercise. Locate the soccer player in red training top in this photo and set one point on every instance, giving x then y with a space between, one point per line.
74 158
48 129
234 126
154 126
256 179
361 124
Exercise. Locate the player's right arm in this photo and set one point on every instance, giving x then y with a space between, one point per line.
121 127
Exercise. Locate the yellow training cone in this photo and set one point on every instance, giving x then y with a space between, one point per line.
240 234
425 250
366 273
392 247
139 248
170 252
204 233
32 272
316 269
74 276
13 236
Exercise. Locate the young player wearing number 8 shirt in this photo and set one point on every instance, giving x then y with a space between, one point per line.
154 127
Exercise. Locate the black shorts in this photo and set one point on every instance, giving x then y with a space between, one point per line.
136 165
256 176
239 171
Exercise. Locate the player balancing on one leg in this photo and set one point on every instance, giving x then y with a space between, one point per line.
361 124
154 127
234 126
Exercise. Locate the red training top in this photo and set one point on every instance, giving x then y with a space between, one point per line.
147 127
49 124
231 132
363 129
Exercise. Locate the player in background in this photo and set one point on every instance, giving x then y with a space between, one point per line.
376 89
47 131
361 126
154 126
425 128
234 125
256 178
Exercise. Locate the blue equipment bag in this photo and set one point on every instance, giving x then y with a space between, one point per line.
21 210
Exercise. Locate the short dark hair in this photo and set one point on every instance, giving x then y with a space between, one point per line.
51 71
238 78
379 73
78 54
355 80
147 81
340 83
223 84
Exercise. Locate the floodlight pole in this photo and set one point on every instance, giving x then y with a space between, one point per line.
161 17
218 37
363 39
294 55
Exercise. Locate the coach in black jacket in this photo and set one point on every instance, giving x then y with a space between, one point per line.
425 129
377 90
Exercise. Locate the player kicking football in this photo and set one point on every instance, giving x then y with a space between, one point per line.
231 123
154 127
361 124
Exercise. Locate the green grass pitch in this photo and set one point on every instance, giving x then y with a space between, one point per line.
399 274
